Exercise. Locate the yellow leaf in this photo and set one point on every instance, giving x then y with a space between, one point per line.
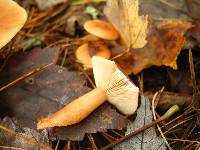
124 15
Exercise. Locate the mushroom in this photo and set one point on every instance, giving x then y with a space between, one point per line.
12 19
85 52
112 85
101 29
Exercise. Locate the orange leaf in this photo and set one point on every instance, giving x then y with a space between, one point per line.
164 45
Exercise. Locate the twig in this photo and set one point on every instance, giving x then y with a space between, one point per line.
169 113
68 145
172 6
193 79
116 133
180 123
141 83
88 77
57 144
11 148
179 117
188 5
91 139
24 77
154 116
171 139
108 137
196 2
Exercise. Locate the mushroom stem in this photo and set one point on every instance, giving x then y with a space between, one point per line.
75 111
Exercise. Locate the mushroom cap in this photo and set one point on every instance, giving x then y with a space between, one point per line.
85 52
122 93
101 29
12 19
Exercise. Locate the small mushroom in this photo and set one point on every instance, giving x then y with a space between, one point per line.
12 19
112 85
85 52
101 29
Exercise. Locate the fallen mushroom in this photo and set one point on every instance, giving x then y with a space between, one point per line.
101 29
12 19
112 85
85 52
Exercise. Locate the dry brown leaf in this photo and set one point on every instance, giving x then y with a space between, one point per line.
167 99
11 140
124 15
195 32
164 45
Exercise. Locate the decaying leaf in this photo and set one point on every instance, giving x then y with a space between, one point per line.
195 32
180 80
164 45
22 63
73 22
8 140
164 9
102 119
167 99
147 139
44 4
47 91
124 15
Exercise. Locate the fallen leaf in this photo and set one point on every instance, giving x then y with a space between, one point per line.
9 140
193 8
21 63
102 119
47 91
164 9
45 4
75 22
124 15
167 99
147 139
180 80
164 45
195 32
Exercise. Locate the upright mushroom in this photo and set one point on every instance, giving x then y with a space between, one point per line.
101 29
12 19
112 85
86 51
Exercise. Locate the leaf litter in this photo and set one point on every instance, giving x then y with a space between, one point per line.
38 24
10 141
147 139
165 42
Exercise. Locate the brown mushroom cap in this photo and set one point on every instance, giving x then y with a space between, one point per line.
85 52
101 29
12 19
